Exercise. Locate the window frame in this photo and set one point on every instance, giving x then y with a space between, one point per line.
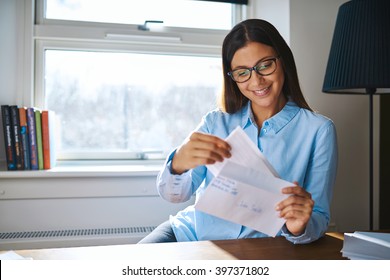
112 37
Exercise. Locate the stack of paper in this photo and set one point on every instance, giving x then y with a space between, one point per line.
366 246
246 188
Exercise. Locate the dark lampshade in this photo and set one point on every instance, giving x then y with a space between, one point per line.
359 61
359 58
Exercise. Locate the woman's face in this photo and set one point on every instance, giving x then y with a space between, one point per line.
265 92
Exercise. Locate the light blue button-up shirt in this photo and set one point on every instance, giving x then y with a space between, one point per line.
301 145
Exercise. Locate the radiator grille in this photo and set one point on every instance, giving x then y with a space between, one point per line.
76 233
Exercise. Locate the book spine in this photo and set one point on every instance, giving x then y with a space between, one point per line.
24 138
32 137
46 140
38 127
16 136
53 138
9 147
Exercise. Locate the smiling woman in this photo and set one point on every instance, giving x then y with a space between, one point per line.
299 144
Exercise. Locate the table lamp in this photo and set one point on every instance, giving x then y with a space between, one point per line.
359 60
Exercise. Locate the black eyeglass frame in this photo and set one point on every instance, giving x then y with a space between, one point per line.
255 68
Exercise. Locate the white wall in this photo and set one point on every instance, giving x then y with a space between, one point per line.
276 11
308 26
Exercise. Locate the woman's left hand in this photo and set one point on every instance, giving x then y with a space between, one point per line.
296 209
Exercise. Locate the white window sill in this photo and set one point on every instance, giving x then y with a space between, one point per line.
74 169
82 179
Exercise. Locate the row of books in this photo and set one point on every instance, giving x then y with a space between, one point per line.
28 137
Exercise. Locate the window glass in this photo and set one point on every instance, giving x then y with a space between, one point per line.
128 102
179 13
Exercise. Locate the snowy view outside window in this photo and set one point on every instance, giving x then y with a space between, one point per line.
128 102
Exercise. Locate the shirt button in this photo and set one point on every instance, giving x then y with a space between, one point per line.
264 130
266 123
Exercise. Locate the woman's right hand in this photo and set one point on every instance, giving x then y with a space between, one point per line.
199 149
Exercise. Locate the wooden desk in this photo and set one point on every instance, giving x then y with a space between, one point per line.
326 248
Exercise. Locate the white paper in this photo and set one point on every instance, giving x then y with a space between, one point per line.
241 194
244 152
381 238
366 246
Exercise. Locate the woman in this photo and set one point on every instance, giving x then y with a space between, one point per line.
261 95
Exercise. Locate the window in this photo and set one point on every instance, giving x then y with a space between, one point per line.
124 93
179 13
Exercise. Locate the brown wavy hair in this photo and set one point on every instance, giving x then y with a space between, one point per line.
261 31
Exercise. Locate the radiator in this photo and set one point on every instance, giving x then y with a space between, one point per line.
72 237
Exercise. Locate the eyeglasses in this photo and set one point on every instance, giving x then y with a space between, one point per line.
263 67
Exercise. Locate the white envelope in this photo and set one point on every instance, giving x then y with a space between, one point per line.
249 201
241 194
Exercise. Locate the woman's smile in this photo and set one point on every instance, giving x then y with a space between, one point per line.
262 92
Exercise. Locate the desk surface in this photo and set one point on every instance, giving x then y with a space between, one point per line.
326 248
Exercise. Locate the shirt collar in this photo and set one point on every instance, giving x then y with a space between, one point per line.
247 116
276 122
